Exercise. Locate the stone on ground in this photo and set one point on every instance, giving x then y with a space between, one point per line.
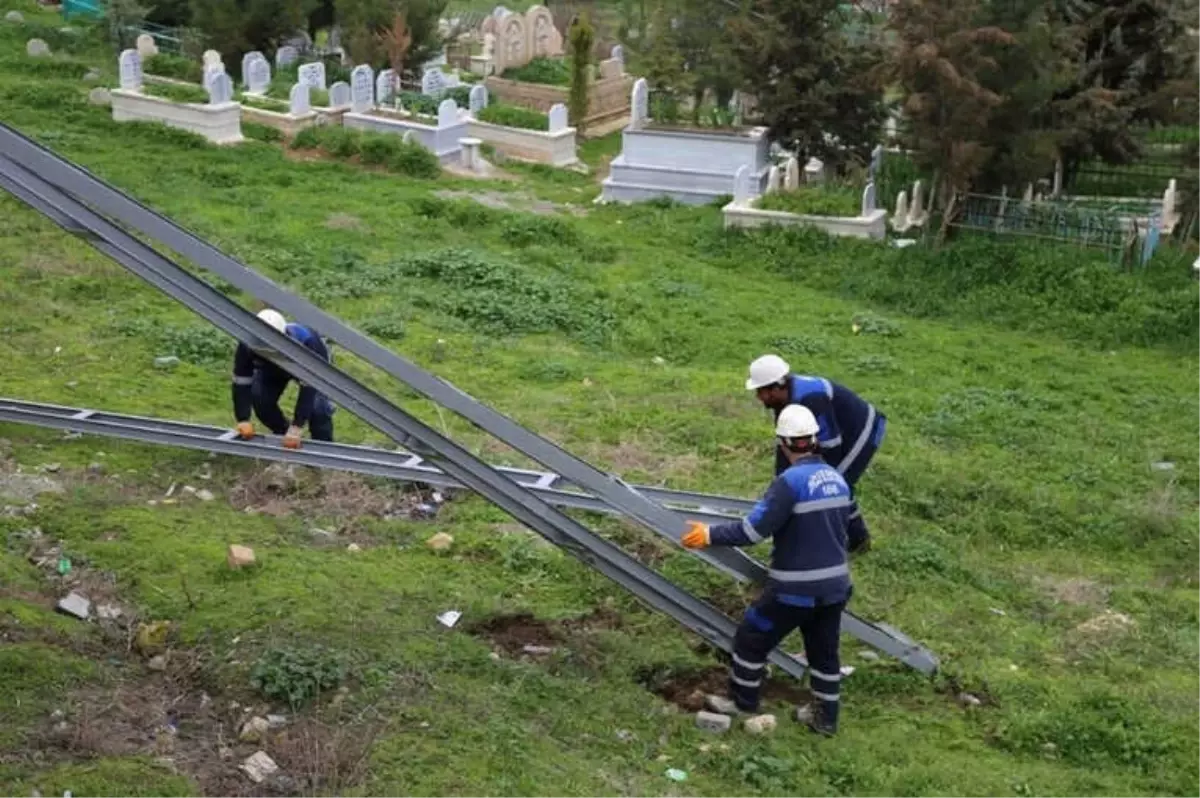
239 556
713 722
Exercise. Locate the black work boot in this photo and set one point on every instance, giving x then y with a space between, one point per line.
820 717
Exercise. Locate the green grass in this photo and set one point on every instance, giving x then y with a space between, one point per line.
176 93
370 149
549 71
814 201
514 116
1029 391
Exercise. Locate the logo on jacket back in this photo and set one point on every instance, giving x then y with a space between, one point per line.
826 482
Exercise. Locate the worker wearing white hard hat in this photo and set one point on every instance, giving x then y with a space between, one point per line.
806 512
258 383
851 428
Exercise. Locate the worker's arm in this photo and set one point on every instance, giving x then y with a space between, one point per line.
243 381
769 515
308 394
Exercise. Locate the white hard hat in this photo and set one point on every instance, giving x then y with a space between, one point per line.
274 318
767 370
796 421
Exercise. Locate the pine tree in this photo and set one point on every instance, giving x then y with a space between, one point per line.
815 91
581 37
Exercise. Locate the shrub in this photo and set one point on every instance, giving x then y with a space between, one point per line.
814 200
340 142
307 139
253 130
378 149
296 675
514 116
176 93
417 103
549 71
414 160
67 69
174 66
498 297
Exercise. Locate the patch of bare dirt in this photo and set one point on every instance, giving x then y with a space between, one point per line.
686 688
513 201
344 221
1106 626
1073 590
513 633
636 455
172 709
279 490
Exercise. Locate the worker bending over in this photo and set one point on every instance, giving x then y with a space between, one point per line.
806 511
851 429
259 383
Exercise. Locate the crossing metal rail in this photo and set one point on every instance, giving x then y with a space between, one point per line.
59 190
395 464
408 467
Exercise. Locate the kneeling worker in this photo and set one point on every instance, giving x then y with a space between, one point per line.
806 511
259 383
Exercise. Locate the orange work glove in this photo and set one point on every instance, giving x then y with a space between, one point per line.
245 430
292 439
696 537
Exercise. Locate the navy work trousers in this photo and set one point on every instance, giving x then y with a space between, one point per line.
266 392
772 618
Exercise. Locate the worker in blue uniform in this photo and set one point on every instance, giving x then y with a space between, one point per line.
851 429
806 512
258 383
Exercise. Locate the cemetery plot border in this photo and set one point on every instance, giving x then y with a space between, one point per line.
220 124
871 221
440 139
282 120
608 99
536 146
872 226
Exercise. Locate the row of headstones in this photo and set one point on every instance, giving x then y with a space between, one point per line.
218 84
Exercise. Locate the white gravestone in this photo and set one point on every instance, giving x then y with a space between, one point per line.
774 180
742 191
433 83
212 58
618 54
220 89
146 46
362 89
639 103
35 48
286 56
477 100
339 94
558 118
385 86
298 102
876 161
247 60
900 217
211 72
313 74
868 199
814 171
791 174
131 70
447 113
260 76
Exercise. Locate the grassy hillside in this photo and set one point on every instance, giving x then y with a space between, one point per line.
1026 529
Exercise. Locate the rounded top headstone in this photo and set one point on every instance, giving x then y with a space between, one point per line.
36 47
14 16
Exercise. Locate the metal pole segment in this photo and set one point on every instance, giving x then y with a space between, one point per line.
318 454
645 584
394 465
119 206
